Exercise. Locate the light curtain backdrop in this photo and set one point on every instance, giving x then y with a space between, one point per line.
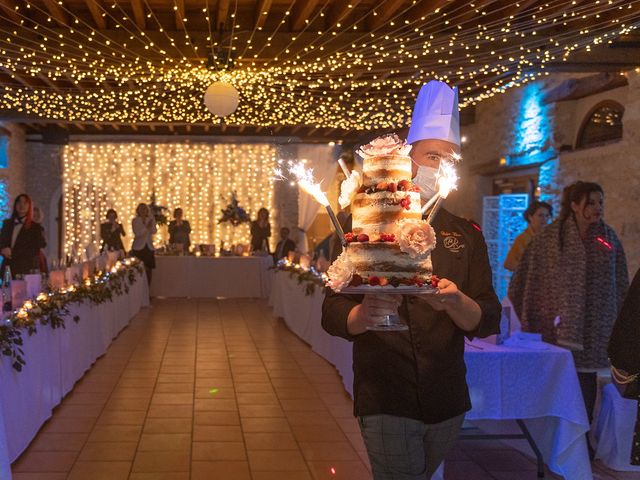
197 177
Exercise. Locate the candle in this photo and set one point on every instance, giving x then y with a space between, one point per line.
430 203
344 168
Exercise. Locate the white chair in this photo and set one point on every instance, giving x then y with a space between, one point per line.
613 431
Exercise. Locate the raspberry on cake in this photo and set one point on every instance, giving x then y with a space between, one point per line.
389 244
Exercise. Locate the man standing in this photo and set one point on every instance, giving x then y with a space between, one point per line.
410 388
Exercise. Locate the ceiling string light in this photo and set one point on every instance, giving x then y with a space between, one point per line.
368 83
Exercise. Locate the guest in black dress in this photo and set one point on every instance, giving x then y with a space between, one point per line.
624 346
179 231
111 232
21 238
285 245
260 232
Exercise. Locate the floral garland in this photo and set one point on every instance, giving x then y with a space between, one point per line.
311 277
51 308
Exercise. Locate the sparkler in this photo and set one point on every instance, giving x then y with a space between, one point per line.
304 177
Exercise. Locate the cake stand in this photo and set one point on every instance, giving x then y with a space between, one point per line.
390 323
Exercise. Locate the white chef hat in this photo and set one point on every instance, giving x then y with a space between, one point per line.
435 115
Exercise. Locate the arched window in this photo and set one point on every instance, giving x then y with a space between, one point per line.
603 124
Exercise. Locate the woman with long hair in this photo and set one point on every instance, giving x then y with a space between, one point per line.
260 232
21 238
571 282
179 231
111 232
537 217
144 226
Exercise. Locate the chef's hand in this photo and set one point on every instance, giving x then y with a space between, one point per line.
448 296
462 310
6 252
372 311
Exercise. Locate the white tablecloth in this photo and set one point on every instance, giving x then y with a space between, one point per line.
614 430
505 383
211 277
55 361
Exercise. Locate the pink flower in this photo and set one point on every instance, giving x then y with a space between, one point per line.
340 272
385 145
416 238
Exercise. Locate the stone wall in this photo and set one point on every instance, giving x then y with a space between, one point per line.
615 166
44 184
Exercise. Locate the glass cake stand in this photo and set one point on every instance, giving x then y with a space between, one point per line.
390 323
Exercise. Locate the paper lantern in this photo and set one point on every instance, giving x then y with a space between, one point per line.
221 99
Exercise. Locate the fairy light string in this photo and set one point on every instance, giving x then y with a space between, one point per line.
322 77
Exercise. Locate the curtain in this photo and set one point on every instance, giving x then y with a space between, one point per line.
323 160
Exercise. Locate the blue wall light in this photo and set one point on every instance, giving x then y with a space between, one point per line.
533 139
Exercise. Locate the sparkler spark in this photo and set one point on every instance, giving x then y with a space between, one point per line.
305 180
448 179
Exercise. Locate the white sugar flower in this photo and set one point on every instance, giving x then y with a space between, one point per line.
340 272
385 145
416 238
349 188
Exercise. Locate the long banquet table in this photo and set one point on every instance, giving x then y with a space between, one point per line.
55 361
537 385
211 277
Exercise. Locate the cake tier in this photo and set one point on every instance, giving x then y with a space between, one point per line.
376 213
387 260
386 168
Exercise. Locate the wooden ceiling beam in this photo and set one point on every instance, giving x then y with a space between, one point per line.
384 13
262 12
474 13
57 12
80 126
425 8
302 11
48 82
223 11
17 77
138 14
9 6
96 10
340 10
180 12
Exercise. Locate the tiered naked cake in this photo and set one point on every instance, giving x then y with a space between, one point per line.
389 244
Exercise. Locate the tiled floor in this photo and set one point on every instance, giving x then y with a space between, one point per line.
220 390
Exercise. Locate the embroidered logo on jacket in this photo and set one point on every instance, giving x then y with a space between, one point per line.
452 241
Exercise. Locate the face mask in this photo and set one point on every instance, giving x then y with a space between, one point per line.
426 179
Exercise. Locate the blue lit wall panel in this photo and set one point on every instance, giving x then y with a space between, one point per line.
5 207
